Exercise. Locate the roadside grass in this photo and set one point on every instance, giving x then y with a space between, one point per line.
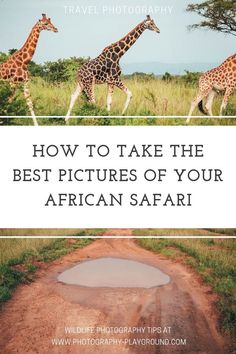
20 258
51 232
100 232
180 232
152 97
214 260
228 232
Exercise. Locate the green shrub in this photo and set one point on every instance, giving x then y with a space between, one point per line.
139 76
190 78
18 104
167 77
62 70
11 276
230 110
9 279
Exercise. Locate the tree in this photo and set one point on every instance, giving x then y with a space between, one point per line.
219 15
63 69
167 77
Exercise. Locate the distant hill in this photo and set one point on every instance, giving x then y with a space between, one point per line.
161 68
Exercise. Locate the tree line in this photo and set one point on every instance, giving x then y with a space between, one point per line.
61 70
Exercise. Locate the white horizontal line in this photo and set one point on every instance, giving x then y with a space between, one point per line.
120 237
123 117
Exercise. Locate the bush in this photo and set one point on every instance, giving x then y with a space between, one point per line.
91 111
230 110
191 78
53 71
3 57
9 279
62 70
167 77
15 107
141 77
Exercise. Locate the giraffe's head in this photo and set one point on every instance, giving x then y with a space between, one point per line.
150 24
45 24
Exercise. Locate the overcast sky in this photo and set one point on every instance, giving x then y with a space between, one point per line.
106 21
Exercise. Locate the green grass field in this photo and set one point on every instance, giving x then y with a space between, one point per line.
214 260
151 97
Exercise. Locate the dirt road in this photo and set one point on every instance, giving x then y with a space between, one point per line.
40 311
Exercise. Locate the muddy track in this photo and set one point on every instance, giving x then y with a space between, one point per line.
39 312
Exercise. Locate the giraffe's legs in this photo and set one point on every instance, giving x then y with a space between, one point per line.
90 93
13 87
194 104
121 86
129 96
109 96
227 95
209 102
73 99
29 102
196 101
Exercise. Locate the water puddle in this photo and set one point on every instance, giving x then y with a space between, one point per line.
114 273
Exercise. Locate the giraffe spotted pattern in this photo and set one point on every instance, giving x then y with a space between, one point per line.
105 68
222 78
15 69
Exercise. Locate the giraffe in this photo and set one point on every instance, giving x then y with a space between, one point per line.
15 70
105 68
222 78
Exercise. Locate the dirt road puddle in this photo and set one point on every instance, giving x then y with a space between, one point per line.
114 273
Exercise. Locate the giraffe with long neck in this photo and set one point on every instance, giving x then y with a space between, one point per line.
222 78
15 69
105 68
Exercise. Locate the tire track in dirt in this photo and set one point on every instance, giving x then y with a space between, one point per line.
40 311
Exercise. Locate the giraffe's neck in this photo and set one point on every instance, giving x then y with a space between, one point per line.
228 60
120 47
26 53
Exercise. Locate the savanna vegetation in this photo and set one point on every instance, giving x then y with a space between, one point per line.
184 232
51 232
213 259
20 257
53 82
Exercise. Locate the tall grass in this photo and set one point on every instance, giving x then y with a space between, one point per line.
19 258
51 232
152 97
182 232
14 248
